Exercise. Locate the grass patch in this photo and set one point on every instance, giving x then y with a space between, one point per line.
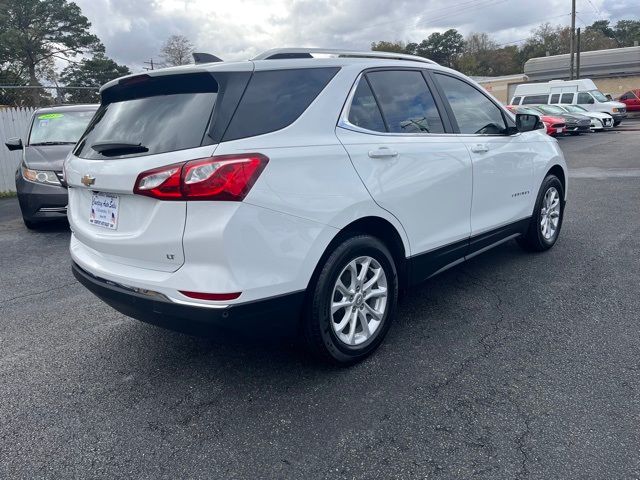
7 194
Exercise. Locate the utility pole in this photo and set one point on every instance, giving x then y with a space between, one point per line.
150 63
578 53
572 41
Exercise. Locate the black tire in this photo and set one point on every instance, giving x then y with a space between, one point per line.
534 240
617 122
320 337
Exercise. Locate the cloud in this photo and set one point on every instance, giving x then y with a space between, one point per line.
134 30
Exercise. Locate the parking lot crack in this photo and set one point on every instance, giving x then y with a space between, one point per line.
520 440
27 295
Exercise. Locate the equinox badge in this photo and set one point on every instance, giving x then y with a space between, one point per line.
88 180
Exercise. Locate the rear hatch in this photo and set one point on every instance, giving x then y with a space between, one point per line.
145 122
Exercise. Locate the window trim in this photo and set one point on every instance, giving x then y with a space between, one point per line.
343 120
453 120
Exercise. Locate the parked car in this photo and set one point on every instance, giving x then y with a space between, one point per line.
632 100
554 125
314 191
575 123
581 92
599 121
41 189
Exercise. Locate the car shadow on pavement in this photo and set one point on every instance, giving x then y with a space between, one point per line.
431 317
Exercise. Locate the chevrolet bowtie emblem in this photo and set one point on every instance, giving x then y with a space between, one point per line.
88 180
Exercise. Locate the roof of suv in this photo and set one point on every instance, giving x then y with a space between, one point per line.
277 59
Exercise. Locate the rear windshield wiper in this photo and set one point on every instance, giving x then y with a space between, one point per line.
53 143
118 148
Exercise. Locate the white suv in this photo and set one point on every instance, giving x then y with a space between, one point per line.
300 194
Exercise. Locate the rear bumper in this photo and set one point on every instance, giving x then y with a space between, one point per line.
276 316
41 202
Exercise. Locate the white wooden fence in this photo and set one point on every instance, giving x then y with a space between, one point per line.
14 122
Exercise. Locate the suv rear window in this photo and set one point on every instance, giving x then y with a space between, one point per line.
161 114
274 99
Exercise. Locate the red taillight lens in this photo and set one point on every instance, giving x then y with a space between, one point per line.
225 177
162 183
211 296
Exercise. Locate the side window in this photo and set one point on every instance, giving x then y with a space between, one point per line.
406 102
364 111
473 111
567 98
584 98
554 98
535 99
516 100
274 99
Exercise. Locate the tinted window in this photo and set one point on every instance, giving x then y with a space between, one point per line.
406 102
274 99
554 98
162 114
626 96
516 101
534 99
566 98
584 98
473 111
59 127
364 111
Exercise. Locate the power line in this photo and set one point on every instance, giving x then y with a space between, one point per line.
150 63
595 9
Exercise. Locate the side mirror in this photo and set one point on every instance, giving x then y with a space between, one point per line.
14 144
527 122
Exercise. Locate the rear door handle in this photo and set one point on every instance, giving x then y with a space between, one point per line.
480 148
382 152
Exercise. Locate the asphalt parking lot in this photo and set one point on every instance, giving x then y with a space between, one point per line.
512 365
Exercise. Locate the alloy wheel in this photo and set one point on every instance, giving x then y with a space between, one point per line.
359 301
550 213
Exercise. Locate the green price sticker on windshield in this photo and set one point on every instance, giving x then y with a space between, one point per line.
48 116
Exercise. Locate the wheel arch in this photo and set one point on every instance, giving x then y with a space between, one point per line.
559 172
377 227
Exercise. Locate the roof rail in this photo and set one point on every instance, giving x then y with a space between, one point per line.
280 53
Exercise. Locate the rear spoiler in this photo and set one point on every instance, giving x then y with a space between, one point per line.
205 58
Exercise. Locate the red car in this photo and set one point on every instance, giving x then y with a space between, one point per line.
555 125
632 100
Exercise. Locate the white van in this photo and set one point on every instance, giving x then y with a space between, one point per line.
581 92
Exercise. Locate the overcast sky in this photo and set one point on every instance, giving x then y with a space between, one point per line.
134 30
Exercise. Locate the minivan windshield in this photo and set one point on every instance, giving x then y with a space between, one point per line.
599 96
59 128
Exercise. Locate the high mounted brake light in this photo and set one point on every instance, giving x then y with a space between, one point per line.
135 79
222 177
